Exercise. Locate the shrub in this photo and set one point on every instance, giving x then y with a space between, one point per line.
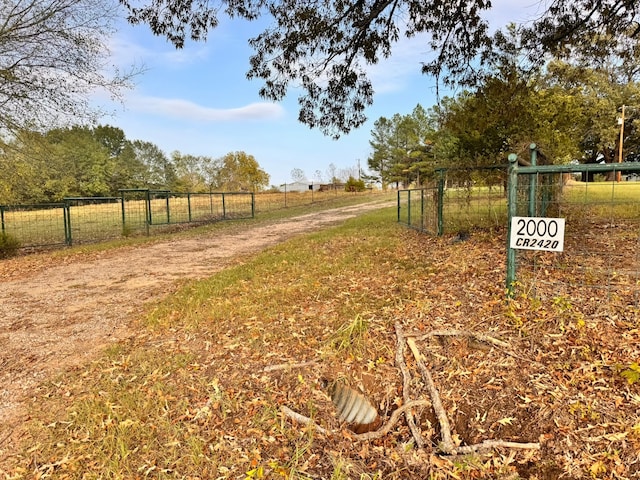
9 245
354 185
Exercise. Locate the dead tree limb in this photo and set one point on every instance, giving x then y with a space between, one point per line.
491 444
445 429
406 386
395 416
480 337
287 412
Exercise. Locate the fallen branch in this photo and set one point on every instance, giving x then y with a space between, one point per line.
287 412
480 337
445 429
395 416
406 386
491 444
285 366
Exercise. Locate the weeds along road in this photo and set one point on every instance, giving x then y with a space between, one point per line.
54 315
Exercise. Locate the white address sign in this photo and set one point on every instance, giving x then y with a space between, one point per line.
537 233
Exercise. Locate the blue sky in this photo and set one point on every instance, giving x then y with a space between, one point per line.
198 101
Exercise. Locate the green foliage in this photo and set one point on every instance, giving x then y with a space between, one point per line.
85 162
325 50
354 185
403 148
9 245
239 171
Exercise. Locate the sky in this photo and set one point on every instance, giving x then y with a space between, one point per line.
198 101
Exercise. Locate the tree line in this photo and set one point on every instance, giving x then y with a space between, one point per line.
84 161
571 110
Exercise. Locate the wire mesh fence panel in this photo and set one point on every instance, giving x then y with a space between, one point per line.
205 207
418 209
600 263
35 225
238 205
270 201
135 212
457 200
473 198
159 207
92 219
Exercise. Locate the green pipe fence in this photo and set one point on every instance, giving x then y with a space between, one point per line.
456 199
137 211
601 257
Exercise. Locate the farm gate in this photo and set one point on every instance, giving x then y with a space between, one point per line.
93 219
601 256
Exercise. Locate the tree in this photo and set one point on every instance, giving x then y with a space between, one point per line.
240 171
354 185
189 176
52 57
402 148
158 171
298 175
325 46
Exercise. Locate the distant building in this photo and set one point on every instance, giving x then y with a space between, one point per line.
301 186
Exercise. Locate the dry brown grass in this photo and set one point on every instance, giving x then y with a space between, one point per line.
189 397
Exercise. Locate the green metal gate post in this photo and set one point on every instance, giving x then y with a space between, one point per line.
441 203
66 214
422 210
147 206
533 181
409 207
512 198
124 221
224 207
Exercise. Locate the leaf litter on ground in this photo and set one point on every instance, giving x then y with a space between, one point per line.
192 396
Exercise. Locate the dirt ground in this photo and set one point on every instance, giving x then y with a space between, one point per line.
57 315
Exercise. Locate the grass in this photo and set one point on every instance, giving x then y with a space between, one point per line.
189 396
98 220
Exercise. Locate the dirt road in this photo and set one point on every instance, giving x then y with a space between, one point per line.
56 316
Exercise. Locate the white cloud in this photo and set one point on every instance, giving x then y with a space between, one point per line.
185 109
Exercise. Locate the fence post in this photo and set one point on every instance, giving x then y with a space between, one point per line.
408 207
441 203
533 181
66 215
422 210
399 208
124 221
2 218
189 205
168 212
147 206
224 208
512 198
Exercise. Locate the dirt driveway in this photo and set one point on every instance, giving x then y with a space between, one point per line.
56 316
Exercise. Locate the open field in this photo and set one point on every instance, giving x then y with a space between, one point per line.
197 387
140 212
